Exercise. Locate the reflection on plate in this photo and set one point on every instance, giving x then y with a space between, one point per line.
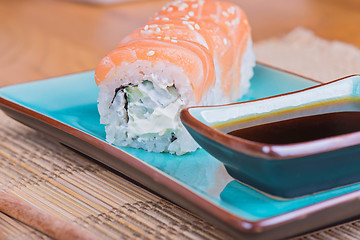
196 181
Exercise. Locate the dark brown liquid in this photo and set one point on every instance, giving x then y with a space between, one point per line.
302 129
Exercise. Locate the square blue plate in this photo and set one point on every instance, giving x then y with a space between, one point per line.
66 108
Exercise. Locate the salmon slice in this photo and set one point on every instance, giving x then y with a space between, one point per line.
205 38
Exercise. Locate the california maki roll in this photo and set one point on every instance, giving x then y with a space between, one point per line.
190 53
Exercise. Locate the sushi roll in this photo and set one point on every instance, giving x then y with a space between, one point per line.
190 53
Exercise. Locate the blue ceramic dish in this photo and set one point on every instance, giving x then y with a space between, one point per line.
195 181
284 170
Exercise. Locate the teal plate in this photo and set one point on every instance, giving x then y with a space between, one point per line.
66 108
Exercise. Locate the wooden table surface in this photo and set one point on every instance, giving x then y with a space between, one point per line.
46 38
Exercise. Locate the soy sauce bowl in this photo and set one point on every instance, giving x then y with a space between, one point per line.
286 169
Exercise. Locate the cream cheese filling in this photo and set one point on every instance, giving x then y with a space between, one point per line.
158 122
152 110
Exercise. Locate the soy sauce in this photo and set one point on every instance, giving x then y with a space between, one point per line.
302 129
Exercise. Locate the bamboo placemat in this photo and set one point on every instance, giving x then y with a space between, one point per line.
44 173
73 188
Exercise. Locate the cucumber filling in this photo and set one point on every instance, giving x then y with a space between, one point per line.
151 111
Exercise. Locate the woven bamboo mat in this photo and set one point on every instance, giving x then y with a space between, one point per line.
68 185
71 187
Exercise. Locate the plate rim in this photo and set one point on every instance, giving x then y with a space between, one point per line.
235 221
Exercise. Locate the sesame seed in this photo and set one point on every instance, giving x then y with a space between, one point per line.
157 18
153 25
195 5
174 37
185 18
165 19
173 40
231 10
167 38
225 41
228 23
170 9
183 6
246 22
197 27
235 21
150 53
157 30
158 37
188 22
191 13
146 27
225 14
190 27
146 32
107 60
